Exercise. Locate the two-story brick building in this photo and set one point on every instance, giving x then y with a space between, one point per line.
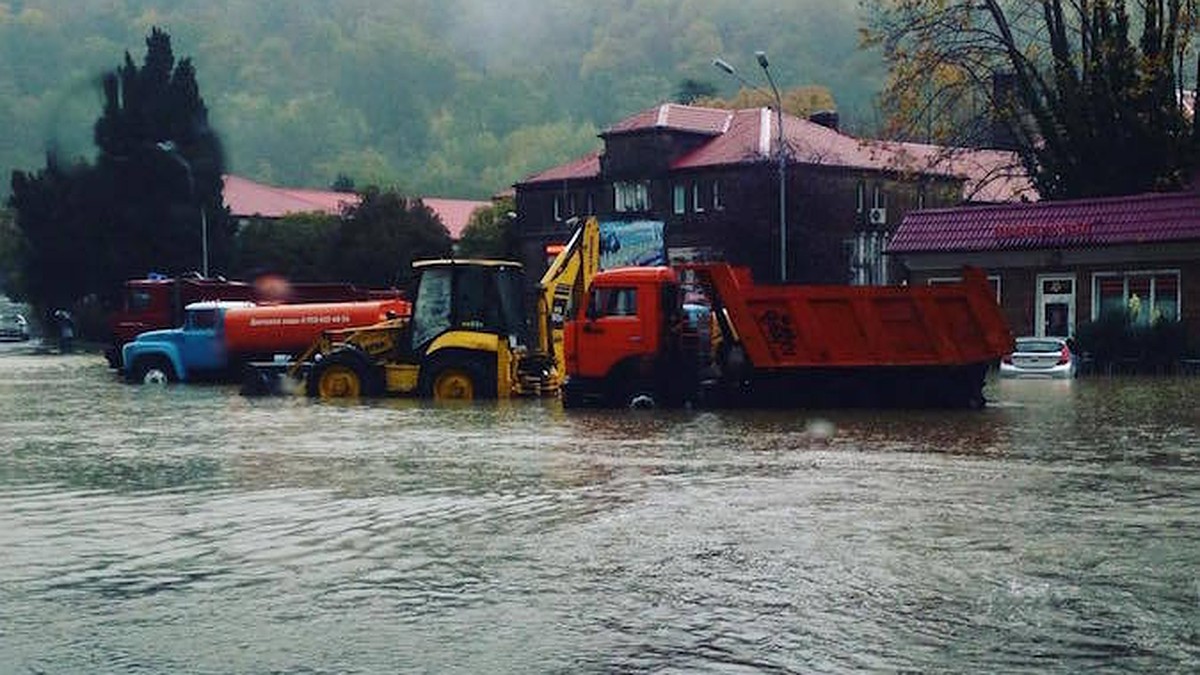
710 178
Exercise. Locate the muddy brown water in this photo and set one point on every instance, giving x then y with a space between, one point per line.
190 529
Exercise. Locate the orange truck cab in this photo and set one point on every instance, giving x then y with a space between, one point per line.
624 347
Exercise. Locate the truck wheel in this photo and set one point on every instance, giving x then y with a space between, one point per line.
637 395
456 377
152 370
344 374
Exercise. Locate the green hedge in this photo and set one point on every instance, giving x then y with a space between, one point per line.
1115 341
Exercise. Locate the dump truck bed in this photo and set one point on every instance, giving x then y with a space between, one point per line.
814 326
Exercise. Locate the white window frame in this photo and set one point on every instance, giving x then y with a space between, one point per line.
558 209
1125 276
717 203
697 201
679 199
631 196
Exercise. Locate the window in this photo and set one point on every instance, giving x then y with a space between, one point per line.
590 203
204 319
571 205
139 300
921 197
679 199
879 199
717 203
698 197
1145 297
558 210
614 302
631 196
860 196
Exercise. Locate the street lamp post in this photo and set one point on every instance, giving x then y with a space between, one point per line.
779 151
172 151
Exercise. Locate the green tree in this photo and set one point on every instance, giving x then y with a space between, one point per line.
142 207
1091 105
296 246
489 233
161 165
381 237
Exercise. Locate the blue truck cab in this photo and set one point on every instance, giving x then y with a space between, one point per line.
194 351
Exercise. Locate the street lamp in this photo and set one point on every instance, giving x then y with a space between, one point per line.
170 148
761 57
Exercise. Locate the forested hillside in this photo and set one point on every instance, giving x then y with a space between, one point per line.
452 98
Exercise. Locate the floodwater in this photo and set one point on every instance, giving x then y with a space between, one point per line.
187 529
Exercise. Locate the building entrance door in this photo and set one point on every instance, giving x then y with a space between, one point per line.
1055 306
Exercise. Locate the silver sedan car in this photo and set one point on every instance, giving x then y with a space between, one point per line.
1048 357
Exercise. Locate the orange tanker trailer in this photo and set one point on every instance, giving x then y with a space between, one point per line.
218 338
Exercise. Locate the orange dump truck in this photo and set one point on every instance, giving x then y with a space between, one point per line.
219 337
706 333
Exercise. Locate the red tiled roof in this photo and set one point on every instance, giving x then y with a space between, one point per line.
587 166
1083 223
246 198
750 135
454 213
711 121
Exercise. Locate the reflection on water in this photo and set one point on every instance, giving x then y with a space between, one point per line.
189 529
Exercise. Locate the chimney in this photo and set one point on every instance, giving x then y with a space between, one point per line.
826 118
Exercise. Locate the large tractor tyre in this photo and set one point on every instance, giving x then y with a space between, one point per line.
457 377
344 374
152 370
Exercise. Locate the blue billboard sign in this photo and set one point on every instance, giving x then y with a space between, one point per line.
626 243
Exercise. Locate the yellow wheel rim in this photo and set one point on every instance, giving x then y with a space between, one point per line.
338 381
453 385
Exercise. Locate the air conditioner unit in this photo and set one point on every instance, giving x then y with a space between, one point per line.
877 216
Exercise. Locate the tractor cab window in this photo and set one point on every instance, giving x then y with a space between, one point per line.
475 300
510 285
431 311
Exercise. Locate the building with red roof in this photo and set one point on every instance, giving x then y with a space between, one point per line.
710 178
1059 265
247 199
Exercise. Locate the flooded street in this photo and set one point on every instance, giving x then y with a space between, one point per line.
191 530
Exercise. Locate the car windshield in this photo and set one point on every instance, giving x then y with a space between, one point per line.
1039 346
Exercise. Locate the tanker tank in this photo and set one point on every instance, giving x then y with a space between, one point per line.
266 329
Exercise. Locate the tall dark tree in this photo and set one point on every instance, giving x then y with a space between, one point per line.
155 187
162 164
1092 107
